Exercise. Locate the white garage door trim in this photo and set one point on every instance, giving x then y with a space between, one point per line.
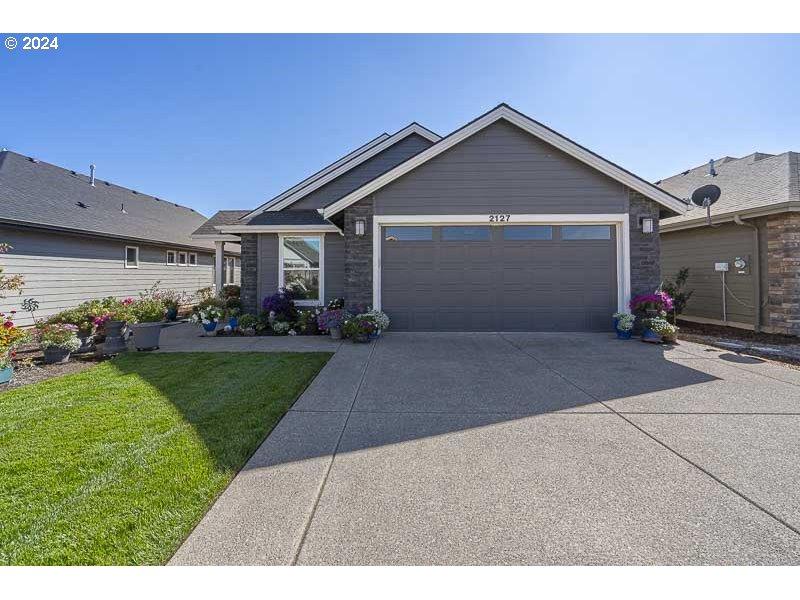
619 220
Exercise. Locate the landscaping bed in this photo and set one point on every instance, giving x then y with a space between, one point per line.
117 463
29 367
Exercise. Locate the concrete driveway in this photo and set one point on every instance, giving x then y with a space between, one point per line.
522 449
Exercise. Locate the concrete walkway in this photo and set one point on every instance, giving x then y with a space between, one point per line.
521 449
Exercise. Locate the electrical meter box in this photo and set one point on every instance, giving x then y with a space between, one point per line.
722 266
742 265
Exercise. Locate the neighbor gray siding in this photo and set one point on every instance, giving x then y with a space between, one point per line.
699 248
502 169
366 171
61 271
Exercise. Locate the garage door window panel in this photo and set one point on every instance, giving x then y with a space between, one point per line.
527 232
300 267
586 232
408 234
465 234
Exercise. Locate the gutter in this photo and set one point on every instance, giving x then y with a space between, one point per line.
762 211
756 267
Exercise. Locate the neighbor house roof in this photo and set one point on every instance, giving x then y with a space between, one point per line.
222 217
306 219
754 185
503 111
37 194
341 166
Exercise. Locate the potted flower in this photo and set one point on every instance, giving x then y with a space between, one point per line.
208 316
308 321
379 319
247 324
57 341
148 314
623 323
281 327
359 328
331 320
233 306
656 304
11 336
172 300
651 328
661 329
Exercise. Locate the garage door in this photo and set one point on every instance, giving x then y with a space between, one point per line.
499 278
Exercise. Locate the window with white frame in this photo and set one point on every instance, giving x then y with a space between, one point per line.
182 259
192 259
171 257
131 257
301 267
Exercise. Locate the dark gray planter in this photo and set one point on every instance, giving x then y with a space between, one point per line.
336 333
115 341
54 355
146 335
87 342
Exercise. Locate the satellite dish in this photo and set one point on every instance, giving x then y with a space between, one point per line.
706 196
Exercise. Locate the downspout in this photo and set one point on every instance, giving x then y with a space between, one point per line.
756 267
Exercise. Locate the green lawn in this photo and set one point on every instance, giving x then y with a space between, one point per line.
116 464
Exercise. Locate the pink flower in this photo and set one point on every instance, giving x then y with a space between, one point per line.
8 324
127 301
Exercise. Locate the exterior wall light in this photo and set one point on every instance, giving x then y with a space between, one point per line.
647 225
361 226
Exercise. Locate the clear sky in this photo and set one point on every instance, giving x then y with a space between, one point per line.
227 121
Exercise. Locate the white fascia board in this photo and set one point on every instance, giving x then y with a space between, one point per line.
319 174
532 127
345 167
702 220
279 228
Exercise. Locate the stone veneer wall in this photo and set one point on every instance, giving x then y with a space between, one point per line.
358 254
249 273
783 258
645 247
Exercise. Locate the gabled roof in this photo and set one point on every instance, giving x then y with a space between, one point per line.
753 185
306 219
341 166
37 194
503 111
208 229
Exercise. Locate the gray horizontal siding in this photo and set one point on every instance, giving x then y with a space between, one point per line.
358 176
268 265
61 271
699 248
502 169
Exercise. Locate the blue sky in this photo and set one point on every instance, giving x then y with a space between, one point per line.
222 121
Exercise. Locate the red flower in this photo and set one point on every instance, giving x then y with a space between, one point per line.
13 354
9 323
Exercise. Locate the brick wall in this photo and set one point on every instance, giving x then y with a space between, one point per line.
249 273
645 247
783 258
358 254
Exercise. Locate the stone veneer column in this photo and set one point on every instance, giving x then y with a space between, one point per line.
783 259
358 254
645 247
249 273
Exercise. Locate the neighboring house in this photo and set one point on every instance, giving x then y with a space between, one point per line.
75 238
756 231
502 225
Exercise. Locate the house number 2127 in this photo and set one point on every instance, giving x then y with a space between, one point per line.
499 218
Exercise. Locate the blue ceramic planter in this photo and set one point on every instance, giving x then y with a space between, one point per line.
648 335
209 327
624 335
233 322
6 374
172 314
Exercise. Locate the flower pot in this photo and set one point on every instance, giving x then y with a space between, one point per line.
172 314
650 336
336 333
54 355
210 328
87 341
249 331
115 341
233 322
375 334
624 335
362 339
669 339
146 335
6 374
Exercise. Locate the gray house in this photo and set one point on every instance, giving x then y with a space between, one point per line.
754 231
502 225
76 238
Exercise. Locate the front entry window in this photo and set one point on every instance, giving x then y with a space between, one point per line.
300 267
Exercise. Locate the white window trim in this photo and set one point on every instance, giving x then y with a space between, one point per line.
621 222
175 254
321 236
189 258
125 259
185 263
